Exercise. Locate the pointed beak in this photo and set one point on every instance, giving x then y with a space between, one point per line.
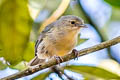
82 25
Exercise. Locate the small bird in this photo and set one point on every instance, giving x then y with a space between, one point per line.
57 39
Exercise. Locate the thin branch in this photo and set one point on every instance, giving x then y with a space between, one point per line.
65 58
68 77
57 71
60 72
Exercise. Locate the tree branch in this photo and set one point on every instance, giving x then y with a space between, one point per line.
65 58
57 71
60 72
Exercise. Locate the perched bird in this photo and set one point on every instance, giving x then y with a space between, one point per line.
57 39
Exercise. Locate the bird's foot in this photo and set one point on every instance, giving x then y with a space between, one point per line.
58 59
33 68
76 53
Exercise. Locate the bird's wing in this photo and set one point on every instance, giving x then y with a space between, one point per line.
42 35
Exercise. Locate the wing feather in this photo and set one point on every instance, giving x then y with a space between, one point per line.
42 35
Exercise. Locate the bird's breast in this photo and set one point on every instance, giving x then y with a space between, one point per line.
65 43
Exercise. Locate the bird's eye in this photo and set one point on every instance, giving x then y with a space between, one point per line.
72 22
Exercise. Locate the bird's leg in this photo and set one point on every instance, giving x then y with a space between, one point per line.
76 53
58 59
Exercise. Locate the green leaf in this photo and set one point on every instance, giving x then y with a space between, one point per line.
115 14
80 41
114 2
20 66
93 71
2 65
42 76
15 26
29 52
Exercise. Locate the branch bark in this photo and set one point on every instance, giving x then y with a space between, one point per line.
65 58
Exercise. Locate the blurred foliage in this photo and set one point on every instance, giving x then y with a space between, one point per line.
42 76
36 6
113 67
15 25
57 13
29 52
20 66
115 14
75 9
114 2
2 65
80 41
91 71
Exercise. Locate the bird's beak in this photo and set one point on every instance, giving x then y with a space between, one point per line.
82 25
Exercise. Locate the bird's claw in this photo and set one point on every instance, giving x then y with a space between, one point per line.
76 53
33 68
58 59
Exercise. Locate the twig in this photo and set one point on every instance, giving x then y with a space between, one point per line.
60 73
57 71
65 58
69 78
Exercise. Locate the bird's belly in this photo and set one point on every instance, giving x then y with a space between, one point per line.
64 47
61 52
62 44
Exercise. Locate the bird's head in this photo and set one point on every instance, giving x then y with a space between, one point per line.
70 23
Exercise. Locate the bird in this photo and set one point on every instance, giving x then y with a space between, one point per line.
57 39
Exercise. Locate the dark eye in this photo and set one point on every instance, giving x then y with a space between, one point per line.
72 22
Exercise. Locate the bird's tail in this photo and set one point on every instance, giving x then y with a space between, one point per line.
36 61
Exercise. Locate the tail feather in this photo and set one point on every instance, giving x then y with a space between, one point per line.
36 61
